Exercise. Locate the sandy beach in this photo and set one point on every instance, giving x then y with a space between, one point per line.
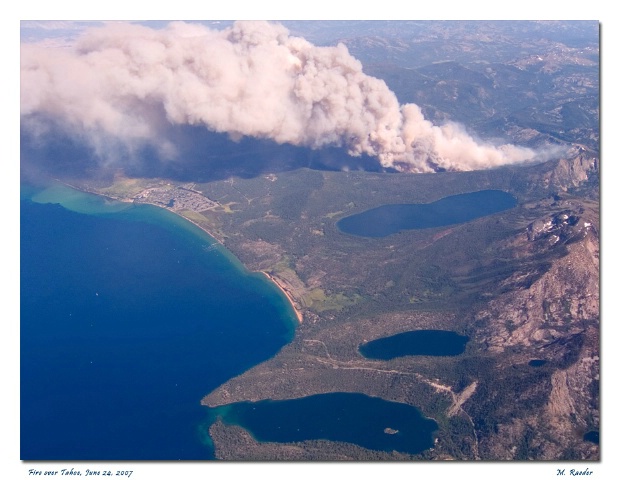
277 282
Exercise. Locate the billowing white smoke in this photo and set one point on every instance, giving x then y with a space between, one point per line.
254 79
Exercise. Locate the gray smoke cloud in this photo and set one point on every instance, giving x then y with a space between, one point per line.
130 82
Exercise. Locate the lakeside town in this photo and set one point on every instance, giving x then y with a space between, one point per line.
175 198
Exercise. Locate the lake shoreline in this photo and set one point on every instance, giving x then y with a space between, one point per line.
294 304
271 277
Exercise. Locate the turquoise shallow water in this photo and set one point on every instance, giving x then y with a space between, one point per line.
129 316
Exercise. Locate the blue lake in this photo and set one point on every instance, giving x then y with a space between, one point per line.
592 436
537 363
129 316
435 343
389 219
366 421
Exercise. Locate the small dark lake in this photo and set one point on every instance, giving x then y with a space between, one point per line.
537 363
592 436
389 219
369 422
437 343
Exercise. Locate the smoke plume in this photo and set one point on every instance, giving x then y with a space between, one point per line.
128 83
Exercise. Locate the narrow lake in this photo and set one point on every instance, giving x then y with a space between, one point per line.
389 219
369 422
435 343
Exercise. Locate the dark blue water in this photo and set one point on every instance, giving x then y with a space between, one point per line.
389 219
369 422
128 318
537 363
437 343
592 436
